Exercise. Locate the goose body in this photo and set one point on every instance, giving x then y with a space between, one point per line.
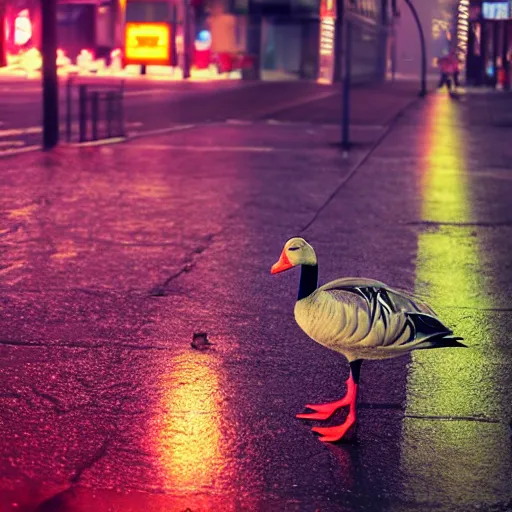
366 319
361 319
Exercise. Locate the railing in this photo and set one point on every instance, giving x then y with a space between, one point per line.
100 111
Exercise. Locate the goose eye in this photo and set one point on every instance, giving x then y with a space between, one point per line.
293 248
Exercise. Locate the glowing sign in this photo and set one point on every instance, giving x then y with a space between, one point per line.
496 11
22 29
148 43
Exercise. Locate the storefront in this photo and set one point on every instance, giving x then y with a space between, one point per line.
369 38
489 43
84 24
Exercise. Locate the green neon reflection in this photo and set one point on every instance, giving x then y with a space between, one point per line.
444 459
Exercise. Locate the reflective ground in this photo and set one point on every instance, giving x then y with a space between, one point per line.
113 257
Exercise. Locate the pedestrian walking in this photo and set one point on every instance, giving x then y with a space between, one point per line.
445 65
455 68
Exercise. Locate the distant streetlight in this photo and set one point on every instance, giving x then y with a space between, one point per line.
50 80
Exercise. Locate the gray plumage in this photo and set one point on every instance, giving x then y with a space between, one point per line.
366 319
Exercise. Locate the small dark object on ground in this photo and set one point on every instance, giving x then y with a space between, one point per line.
200 341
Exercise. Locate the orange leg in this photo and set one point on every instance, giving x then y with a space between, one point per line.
333 434
325 411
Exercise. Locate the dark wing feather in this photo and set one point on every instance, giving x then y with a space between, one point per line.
380 298
398 300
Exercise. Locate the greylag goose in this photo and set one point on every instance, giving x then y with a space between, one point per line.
361 319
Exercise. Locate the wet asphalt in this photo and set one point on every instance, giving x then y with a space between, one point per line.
112 257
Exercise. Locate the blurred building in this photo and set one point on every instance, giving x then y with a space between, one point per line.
488 45
293 31
439 22
292 38
84 24
479 31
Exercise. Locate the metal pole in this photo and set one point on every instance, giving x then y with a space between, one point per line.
345 127
174 26
69 102
109 111
423 89
122 127
50 81
82 113
337 74
253 40
3 56
95 111
186 39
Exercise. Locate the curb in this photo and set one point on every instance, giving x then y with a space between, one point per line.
102 142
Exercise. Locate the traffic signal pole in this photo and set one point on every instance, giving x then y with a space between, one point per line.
50 80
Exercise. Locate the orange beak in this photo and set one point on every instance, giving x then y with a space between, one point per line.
283 264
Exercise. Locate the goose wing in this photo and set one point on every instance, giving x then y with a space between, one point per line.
395 317
398 300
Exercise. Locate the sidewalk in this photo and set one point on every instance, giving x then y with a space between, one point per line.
166 107
114 256
283 101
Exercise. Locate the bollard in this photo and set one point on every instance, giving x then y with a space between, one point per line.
121 110
82 113
69 103
109 111
95 107
346 87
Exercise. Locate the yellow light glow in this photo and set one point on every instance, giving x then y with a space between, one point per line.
188 438
147 43
450 272
462 30
327 36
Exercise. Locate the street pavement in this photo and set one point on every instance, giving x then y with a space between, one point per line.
155 105
114 256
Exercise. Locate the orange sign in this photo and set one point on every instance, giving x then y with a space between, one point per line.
147 43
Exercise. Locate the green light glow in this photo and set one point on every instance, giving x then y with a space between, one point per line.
450 383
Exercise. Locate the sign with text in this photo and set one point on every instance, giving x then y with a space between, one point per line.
326 46
148 43
496 11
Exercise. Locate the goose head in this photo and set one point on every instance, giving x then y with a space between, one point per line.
295 252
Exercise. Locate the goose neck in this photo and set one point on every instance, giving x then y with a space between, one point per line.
308 281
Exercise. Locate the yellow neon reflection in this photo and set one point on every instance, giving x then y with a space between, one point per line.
189 431
454 382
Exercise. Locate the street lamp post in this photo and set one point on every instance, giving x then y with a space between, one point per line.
50 81
423 87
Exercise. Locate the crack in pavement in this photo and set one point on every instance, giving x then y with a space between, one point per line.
81 346
454 418
55 402
88 464
57 502
189 262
